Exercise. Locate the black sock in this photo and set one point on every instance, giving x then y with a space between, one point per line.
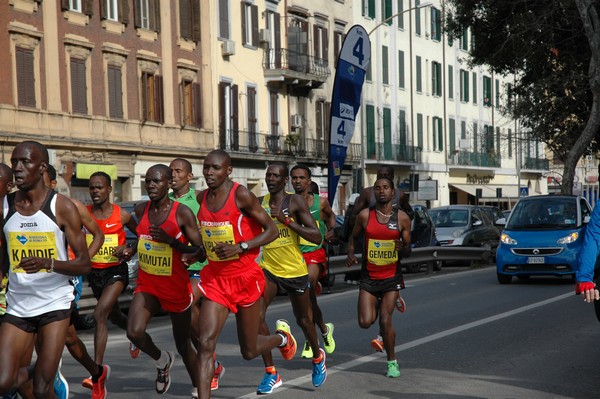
95 377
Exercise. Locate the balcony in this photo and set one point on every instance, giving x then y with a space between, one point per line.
261 146
293 68
394 152
535 163
468 158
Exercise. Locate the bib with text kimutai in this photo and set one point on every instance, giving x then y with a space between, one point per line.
381 252
25 244
105 253
214 233
155 257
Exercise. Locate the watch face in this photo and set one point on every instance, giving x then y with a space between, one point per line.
244 246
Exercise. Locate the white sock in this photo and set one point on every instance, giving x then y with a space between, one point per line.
162 362
284 340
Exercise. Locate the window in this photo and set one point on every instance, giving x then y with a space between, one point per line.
385 77
401 72
450 82
25 77
436 79
368 8
509 140
338 39
370 117
112 10
191 103
78 86
249 24
417 18
420 131
75 5
464 86
368 73
322 111
297 39
224 19
419 81
497 93
189 20
252 119
463 130
274 108
146 14
321 45
436 24
509 96
386 11
487 91
488 131
152 98
402 121
498 141
475 88
115 91
452 134
400 14
228 119
463 41
438 134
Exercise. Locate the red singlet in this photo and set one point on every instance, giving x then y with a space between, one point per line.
380 257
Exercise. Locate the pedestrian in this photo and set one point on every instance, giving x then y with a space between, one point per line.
387 240
37 222
314 254
182 192
165 229
285 269
234 226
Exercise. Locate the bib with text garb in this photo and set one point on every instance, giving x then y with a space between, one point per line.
380 260
105 255
114 236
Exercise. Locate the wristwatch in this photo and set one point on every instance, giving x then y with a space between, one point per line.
244 246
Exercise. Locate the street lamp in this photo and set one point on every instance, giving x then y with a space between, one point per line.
388 19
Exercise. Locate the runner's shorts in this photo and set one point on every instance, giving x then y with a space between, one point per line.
379 287
317 257
233 291
101 278
293 286
33 324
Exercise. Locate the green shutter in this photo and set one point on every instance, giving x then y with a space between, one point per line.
370 116
385 78
420 131
452 134
387 133
418 67
401 82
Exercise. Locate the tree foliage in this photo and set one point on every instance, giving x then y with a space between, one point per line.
545 45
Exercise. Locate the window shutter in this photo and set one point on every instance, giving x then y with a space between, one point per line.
115 92
25 77
103 10
137 14
64 4
223 19
197 93
316 42
195 21
244 19
254 10
88 7
158 89
327 120
319 120
111 90
78 86
235 125
372 9
222 132
154 6
124 11
325 45
277 41
440 135
145 99
184 19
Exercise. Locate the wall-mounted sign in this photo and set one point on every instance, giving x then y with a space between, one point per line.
428 190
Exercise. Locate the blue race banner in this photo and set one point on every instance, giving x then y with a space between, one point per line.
345 100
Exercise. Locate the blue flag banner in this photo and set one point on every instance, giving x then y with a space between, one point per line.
345 100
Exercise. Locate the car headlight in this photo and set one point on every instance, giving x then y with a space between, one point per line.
506 239
458 233
568 239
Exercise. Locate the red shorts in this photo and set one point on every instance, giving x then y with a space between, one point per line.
317 257
232 291
173 304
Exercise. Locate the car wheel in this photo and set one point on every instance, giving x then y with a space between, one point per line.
413 268
504 278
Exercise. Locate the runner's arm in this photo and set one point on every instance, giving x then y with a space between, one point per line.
304 224
249 205
359 226
91 226
328 217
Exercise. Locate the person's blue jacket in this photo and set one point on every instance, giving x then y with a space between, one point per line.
591 248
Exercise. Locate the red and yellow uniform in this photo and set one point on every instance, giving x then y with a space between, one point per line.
380 258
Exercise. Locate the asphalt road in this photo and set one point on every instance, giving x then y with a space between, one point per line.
462 336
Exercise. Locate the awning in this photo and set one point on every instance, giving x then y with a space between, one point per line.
489 190
85 170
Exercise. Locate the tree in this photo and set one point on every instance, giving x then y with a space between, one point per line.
553 50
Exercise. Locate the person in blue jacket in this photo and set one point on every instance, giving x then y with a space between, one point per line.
588 255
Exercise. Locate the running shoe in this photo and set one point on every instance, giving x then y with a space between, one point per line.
307 351
393 369
377 344
219 372
328 341
268 383
319 373
194 393
163 382
289 349
10 395
134 351
99 387
87 383
400 304
61 386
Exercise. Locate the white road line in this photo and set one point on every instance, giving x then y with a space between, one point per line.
421 341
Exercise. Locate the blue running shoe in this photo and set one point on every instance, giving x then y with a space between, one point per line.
61 386
268 383
319 374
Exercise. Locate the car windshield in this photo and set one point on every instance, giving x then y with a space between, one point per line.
450 217
544 213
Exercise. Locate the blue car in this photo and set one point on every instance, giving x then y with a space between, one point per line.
542 237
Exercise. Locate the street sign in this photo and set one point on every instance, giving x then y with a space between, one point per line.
427 190
524 192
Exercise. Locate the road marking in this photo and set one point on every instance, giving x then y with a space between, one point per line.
421 341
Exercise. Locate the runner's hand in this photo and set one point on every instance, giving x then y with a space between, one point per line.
351 260
159 235
34 264
588 291
224 250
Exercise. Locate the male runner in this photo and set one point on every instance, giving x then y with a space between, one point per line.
6 184
110 274
37 224
387 232
314 254
165 228
234 226
285 269
182 192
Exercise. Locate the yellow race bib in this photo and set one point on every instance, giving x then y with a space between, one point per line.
106 251
381 252
284 238
212 235
155 257
25 244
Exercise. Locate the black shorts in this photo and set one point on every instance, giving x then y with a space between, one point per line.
293 286
100 278
379 287
32 324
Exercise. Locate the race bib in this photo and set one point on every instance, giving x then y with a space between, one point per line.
308 243
284 238
381 252
212 235
155 257
26 244
105 253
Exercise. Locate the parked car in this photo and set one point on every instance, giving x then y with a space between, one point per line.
464 225
494 214
543 236
423 234
506 212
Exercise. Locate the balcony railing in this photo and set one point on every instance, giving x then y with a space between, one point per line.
394 152
468 158
294 65
535 164
267 145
